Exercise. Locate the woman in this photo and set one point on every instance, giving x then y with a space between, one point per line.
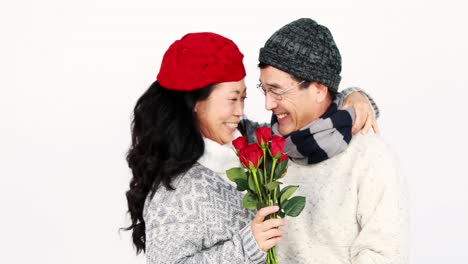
183 208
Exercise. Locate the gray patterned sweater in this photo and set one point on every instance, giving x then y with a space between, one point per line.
201 221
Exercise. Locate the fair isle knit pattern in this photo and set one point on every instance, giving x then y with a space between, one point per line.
201 221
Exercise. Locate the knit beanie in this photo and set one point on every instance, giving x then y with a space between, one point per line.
198 60
306 50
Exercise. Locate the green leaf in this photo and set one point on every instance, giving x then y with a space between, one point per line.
281 214
242 184
280 169
260 205
271 186
251 183
286 192
260 176
236 174
294 206
250 201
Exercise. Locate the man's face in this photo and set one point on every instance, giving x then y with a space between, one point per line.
296 108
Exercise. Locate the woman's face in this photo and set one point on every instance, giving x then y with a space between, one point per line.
219 115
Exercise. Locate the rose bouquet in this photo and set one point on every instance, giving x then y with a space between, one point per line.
263 164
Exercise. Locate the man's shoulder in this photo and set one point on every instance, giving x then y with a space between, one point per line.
368 142
374 150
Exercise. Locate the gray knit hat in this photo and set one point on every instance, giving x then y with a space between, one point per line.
306 50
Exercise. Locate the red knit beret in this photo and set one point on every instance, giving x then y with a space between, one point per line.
200 59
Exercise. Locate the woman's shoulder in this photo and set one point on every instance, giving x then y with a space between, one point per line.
182 198
199 174
196 183
194 192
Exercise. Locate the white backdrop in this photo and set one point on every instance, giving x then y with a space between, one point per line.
71 72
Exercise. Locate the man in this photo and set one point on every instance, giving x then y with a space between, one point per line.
356 201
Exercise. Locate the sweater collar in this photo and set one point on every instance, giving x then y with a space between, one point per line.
219 158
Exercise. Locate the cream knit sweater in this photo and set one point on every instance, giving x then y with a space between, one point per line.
356 209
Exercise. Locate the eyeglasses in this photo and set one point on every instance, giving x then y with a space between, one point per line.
277 95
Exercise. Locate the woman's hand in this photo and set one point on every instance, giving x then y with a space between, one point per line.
365 116
266 233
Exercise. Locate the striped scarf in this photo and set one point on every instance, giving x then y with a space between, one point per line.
321 139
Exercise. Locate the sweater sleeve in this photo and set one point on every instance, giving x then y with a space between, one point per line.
382 212
371 100
182 242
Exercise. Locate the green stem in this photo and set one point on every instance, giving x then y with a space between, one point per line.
271 256
256 185
273 167
264 165
265 177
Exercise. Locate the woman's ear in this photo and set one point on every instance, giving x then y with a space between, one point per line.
198 107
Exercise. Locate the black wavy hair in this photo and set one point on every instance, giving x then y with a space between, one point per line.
166 141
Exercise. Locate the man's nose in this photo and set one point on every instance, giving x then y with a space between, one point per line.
270 102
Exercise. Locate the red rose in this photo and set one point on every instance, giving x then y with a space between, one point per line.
277 146
263 135
250 155
283 157
239 143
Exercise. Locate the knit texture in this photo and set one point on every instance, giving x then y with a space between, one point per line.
200 59
306 50
203 220
356 208
371 100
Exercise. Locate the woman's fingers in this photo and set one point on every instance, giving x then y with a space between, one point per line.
270 243
361 117
271 233
266 232
271 223
375 126
264 212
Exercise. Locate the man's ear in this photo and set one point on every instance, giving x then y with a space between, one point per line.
321 92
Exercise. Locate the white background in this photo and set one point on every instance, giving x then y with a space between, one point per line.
71 72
